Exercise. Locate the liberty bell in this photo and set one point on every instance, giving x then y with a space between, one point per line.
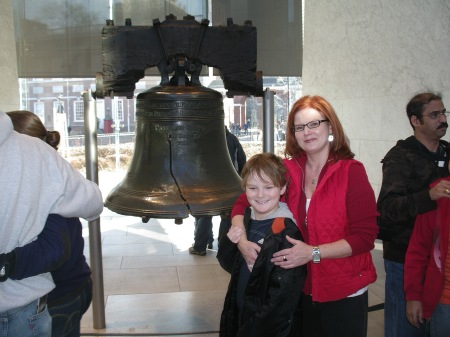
181 165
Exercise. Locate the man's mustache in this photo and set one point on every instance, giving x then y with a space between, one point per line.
443 125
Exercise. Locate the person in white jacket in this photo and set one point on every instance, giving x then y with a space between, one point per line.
35 182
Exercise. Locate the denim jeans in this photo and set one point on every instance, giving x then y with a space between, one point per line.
395 322
26 322
203 233
67 316
440 321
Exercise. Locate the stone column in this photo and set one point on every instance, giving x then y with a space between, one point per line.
368 58
9 85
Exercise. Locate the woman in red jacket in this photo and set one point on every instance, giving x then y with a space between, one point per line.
427 269
335 208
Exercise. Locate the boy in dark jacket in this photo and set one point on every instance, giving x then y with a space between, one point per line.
262 299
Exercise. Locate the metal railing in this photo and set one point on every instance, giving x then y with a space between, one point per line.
104 139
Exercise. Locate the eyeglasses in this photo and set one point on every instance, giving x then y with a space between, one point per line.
310 125
436 114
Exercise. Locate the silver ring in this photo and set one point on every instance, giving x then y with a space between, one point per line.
284 258
447 191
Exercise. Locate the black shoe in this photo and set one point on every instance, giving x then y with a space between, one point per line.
196 252
210 245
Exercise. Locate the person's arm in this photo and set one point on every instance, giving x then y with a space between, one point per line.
81 198
416 262
239 207
396 202
362 218
237 234
361 211
47 253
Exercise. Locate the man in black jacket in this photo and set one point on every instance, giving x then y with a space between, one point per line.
408 169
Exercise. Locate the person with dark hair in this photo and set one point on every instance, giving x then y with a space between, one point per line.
334 205
203 234
58 248
408 170
262 299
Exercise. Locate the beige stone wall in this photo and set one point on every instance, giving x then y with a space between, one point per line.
368 58
9 85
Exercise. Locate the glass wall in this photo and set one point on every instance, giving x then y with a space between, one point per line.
62 38
116 116
59 54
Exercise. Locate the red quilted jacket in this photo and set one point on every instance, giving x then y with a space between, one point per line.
333 279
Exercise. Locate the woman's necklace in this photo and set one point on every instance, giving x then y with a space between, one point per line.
317 173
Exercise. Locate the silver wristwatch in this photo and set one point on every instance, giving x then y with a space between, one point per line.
316 255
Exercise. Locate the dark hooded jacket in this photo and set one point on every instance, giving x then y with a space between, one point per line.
271 300
408 169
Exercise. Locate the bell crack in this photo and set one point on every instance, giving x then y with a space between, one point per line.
169 140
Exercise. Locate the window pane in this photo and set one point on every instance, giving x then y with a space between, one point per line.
62 38
142 12
238 110
79 111
38 90
39 109
279 29
119 107
59 38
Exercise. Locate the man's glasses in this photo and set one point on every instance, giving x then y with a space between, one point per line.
310 125
436 114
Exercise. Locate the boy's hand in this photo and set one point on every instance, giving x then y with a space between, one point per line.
249 251
235 233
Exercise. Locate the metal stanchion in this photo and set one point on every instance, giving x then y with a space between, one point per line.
268 121
95 242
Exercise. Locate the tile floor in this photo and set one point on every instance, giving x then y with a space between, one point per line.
154 287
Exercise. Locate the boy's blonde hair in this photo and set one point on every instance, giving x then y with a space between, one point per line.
265 166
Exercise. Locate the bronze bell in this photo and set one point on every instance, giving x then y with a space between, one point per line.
181 165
